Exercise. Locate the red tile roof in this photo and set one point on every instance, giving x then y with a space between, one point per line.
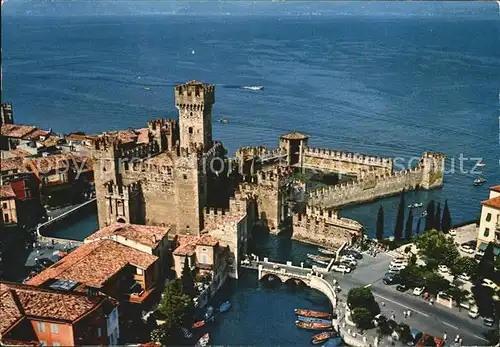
16 130
495 188
21 300
6 192
19 152
143 136
187 244
57 162
12 164
149 236
36 134
294 136
493 202
93 264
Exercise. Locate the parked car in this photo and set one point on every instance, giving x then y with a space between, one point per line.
489 321
397 272
443 269
402 287
473 312
439 341
391 278
424 339
349 256
464 277
356 254
489 283
452 232
416 335
349 260
376 319
466 248
397 267
418 291
348 264
399 261
342 268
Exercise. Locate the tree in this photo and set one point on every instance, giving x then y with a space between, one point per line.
362 317
363 297
175 305
188 281
464 265
417 229
398 229
435 283
409 226
449 257
437 217
496 263
383 326
380 223
434 244
404 332
446 221
486 266
429 219
412 275
458 295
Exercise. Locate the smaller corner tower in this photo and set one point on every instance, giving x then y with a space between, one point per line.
194 101
294 144
433 170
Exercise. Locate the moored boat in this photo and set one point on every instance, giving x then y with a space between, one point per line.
318 258
313 326
322 337
226 306
314 320
314 262
203 341
313 314
199 324
327 251
254 87
479 181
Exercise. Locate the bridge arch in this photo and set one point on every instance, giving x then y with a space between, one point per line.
121 220
296 282
270 277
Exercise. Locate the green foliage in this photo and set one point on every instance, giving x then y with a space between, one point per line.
457 294
363 297
413 275
437 217
446 220
383 326
435 283
409 226
176 306
486 266
464 265
496 263
433 244
188 281
404 332
362 317
380 223
449 256
398 229
429 220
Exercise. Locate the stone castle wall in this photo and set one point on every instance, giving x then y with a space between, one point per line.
345 162
323 227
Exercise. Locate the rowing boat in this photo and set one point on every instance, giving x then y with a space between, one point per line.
313 326
312 314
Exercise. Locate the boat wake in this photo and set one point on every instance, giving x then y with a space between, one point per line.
253 87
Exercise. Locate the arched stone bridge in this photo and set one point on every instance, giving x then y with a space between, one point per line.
287 272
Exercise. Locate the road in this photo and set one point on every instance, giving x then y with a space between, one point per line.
435 320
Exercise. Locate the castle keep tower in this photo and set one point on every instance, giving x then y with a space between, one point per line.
194 101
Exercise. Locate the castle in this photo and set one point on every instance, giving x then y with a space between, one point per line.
173 173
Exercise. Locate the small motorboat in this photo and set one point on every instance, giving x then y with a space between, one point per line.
418 204
203 341
424 214
313 314
209 314
313 325
314 320
481 165
226 306
479 181
253 87
199 324
327 251
323 337
147 88
223 121
314 262
318 258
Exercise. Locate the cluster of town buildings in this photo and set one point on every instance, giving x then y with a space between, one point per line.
167 194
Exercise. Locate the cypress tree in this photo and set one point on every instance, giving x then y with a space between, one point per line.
429 219
437 217
446 221
486 267
409 225
398 230
380 223
187 281
417 229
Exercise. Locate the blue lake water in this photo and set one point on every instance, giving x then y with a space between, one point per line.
390 79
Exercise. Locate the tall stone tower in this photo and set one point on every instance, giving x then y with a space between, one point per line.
194 101
433 170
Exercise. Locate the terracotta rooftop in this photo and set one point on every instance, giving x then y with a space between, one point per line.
149 236
36 134
6 192
495 188
57 161
294 136
16 130
93 264
493 202
12 164
19 152
143 136
187 244
77 137
21 300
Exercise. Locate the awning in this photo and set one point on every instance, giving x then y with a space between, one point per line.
496 250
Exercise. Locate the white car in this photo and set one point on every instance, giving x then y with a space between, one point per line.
443 269
466 249
464 277
489 283
418 291
397 267
452 232
342 268
473 312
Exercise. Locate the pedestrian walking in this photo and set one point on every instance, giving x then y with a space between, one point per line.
383 303
445 336
409 313
404 314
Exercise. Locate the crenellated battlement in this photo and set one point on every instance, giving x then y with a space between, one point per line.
162 124
141 151
356 158
193 94
106 143
273 177
125 192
